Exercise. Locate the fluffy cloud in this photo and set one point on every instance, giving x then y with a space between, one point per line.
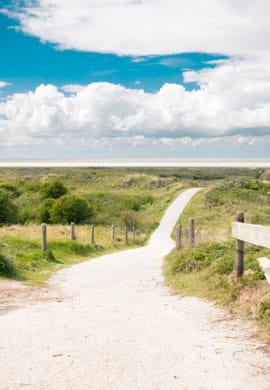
233 98
143 27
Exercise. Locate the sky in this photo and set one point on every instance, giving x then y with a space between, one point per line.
134 78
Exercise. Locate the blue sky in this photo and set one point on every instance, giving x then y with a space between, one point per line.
92 81
27 62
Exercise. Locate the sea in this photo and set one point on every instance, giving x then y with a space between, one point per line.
140 163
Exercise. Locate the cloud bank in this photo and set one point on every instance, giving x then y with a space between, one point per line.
231 99
144 27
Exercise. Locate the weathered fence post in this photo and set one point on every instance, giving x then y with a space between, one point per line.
113 233
72 231
92 235
191 233
126 235
178 234
240 245
134 232
43 236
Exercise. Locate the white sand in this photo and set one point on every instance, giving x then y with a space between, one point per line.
121 329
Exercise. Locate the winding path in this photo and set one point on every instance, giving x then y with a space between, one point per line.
119 328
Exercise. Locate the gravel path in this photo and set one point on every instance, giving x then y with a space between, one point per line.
119 328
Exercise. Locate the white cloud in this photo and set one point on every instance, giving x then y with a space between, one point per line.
150 26
3 84
233 98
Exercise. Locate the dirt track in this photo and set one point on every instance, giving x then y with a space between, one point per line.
115 326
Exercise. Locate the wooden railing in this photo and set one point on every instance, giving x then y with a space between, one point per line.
244 232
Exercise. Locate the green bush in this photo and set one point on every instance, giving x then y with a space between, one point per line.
70 208
11 188
7 267
27 204
53 189
44 211
8 210
223 265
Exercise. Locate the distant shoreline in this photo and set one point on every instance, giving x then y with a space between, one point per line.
138 163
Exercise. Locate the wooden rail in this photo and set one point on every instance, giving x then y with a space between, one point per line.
254 234
244 232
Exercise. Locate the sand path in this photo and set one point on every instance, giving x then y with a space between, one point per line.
119 328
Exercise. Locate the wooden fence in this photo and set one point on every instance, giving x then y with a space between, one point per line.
244 232
188 235
136 233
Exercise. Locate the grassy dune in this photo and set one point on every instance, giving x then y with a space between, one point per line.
208 270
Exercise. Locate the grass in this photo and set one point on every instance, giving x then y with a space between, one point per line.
208 270
118 197
22 244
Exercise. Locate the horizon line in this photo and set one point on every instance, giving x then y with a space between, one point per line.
138 163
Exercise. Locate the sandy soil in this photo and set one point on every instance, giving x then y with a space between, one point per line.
115 326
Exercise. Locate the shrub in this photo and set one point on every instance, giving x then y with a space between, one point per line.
27 205
53 189
130 219
8 210
70 208
7 267
11 188
44 211
223 265
214 197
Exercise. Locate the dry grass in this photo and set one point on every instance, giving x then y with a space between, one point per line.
103 234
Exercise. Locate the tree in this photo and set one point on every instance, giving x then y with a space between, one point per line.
8 210
53 189
70 208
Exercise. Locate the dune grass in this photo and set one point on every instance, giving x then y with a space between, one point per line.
21 244
208 270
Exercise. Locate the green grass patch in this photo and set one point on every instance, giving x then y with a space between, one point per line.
208 270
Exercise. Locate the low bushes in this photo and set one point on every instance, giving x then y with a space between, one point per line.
7 267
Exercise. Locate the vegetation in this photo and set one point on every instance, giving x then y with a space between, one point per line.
70 208
137 198
9 211
208 270
21 244
53 189
85 196
7 267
